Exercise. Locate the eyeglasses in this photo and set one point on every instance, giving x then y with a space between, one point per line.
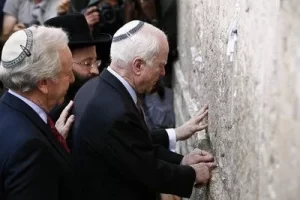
89 64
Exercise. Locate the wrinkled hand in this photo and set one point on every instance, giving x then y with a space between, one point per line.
92 16
19 26
64 122
189 128
63 7
197 156
203 173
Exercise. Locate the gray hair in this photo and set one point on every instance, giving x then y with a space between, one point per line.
44 62
145 44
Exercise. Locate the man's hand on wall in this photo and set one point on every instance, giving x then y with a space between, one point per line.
197 156
193 125
203 173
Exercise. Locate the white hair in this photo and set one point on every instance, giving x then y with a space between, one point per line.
145 44
44 62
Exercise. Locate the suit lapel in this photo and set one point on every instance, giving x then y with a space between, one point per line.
23 108
115 83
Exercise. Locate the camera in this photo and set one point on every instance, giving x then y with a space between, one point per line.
111 16
108 13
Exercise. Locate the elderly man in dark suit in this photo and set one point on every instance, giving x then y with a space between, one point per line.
35 163
112 148
85 67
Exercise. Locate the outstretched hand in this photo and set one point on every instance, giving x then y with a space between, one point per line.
193 125
197 156
64 122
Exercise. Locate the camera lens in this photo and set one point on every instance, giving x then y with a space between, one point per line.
108 16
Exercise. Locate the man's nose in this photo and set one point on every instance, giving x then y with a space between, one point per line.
94 70
163 72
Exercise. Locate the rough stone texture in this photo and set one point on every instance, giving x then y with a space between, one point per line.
254 99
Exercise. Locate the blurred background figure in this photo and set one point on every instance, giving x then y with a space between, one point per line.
2 2
19 14
158 108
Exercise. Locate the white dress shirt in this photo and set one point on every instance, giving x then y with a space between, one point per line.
35 107
170 131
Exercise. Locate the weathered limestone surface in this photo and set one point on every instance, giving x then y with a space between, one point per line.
253 94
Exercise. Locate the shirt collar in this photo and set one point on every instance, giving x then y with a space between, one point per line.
35 107
128 87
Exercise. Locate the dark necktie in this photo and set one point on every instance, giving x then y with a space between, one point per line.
139 105
58 136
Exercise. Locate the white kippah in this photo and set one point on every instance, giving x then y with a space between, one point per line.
128 33
17 48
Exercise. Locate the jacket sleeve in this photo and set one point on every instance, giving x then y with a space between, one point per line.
167 155
129 150
30 173
160 137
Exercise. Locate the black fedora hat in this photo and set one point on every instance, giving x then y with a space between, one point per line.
78 30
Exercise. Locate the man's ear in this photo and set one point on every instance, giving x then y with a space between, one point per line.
42 86
137 66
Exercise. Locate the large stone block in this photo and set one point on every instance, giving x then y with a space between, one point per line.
242 58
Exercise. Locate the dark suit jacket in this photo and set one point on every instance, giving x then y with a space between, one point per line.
113 151
33 164
158 136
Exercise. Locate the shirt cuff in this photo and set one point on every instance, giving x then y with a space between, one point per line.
172 139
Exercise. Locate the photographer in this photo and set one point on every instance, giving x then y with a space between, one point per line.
107 16
19 14
102 16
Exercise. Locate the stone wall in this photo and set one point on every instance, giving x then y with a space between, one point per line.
242 57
